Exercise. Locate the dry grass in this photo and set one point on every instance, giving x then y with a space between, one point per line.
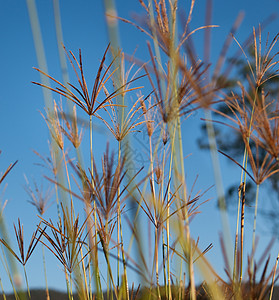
174 84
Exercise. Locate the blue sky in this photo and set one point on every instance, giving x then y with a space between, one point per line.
23 128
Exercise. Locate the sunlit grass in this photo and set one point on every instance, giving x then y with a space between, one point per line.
149 208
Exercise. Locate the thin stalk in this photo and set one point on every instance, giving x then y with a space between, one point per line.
114 38
26 280
57 202
219 182
169 296
109 272
242 232
156 262
273 278
163 234
89 275
108 263
155 38
173 132
10 261
180 282
257 193
112 26
254 227
155 218
168 226
68 178
60 222
151 252
39 48
152 170
98 281
180 289
80 162
91 146
60 43
2 288
77 272
106 254
188 237
135 216
180 176
65 76
124 261
67 282
242 183
42 62
158 56
238 214
164 264
118 222
45 273
5 264
71 287
84 274
243 174
121 235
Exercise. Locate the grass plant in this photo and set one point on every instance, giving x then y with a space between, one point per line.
150 207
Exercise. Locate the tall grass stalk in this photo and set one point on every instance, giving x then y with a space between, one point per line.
95 260
257 192
2 289
56 130
178 174
240 190
123 143
179 160
273 278
26 280
11 266
10 275
120 240
60 43
118 223
63 65
255 225
155 204
110 275
243 174
168 224
42 62
45 272
219 182
85 279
